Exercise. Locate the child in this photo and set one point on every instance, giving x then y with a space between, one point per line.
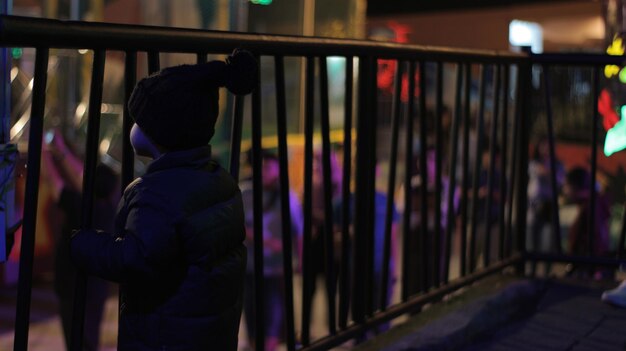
178 250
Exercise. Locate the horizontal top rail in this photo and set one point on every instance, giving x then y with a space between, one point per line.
582 59
41 32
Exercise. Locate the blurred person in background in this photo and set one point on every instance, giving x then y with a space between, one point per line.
64 171
577 190
540 194
273 272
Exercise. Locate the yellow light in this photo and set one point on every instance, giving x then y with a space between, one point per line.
616 48
611 70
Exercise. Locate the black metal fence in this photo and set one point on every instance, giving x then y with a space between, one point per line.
478 145
547 63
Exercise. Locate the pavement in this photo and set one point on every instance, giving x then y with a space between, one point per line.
45 325
570 316
514 314
498 313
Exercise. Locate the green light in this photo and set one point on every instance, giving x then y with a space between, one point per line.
16 53
616 137
622 75
261 2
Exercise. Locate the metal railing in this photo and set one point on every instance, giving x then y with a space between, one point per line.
596 63
427 251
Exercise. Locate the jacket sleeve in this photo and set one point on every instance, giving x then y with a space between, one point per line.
148 245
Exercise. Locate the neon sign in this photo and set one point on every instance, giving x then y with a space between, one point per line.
387 68
615 49
614 124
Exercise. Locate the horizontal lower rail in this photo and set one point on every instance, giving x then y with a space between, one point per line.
411 305
600 261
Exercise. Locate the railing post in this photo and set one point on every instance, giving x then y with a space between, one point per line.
89 180
327 197
521 204
347 208
22 318
283 154
556 222
438 176
424 240
235 136
408 281
504 191
307 271
257 208
593 194
492 167
454 134
517 117
5 84
465 168
7 158
363 201
477 171
391 186
128 155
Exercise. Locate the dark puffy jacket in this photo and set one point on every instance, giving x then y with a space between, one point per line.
178 254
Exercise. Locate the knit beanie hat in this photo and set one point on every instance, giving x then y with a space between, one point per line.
177 107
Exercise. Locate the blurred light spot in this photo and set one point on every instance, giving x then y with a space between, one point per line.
14 72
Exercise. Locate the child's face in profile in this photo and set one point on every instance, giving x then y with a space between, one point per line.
140 142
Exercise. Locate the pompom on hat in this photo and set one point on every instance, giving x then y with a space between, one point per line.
177 107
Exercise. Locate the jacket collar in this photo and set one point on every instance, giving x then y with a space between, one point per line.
192 158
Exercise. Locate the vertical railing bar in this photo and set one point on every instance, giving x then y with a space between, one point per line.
346 208
492 167
454 134
328 197
556 222
408 161
466 175
517 122
128 155
436 275
370 171
522 162
594 163
27 249
307 276
477 167
622 237
503 161
153 62
257 208
391 185
362 221
359 285
424 239
235 136
201 57
283 155
89 178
